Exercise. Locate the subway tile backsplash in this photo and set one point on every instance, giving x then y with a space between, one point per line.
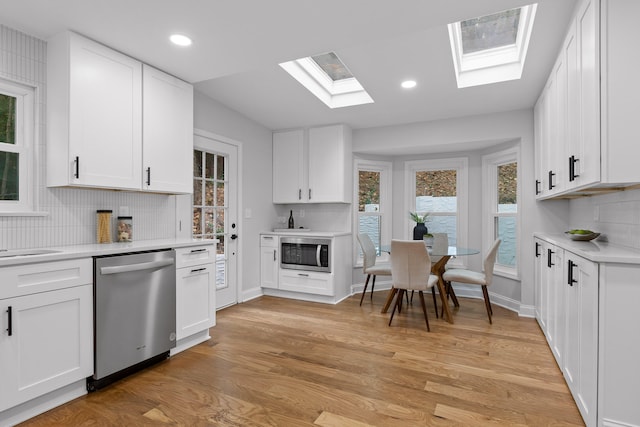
71 212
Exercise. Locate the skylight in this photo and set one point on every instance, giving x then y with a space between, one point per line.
327 77
491 48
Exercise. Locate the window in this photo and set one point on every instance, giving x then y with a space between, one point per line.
439 187
491 48
373 193
500 172
209 196
329 79
17 161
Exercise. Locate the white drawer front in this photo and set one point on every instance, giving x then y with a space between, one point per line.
269 241
306 281
195 255
46 276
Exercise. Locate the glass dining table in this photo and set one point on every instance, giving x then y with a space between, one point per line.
438 269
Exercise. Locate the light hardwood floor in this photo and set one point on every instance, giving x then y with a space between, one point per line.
279 362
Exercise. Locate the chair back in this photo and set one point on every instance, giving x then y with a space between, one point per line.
368 251
410 264
440 245
490 260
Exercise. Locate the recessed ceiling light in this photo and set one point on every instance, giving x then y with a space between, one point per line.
408 84
180 40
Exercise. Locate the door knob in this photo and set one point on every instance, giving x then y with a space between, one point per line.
234 236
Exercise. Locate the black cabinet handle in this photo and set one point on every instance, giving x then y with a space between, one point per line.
10 322
149 176
551 184
537 247
549 253
77 173
299 193
193 251
198 269
572 168
538 187
570 279
309 194
274 255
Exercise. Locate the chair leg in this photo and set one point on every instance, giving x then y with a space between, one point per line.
435 302
487 303
411 297
398 302
366 283
373 285
424 309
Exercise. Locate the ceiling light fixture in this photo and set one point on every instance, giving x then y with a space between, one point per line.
180 40
408 84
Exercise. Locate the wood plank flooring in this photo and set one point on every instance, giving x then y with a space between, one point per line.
279 362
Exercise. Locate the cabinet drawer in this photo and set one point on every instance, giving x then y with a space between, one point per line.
195 255
46 276
269 241
307 282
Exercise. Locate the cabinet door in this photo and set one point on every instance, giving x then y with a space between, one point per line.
556 152
556 299
289 184
581 357
195 300
50 345
269 267
329 152
306 282
105 116
167 133
538 274
540 127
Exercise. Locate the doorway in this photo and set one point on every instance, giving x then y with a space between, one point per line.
215 208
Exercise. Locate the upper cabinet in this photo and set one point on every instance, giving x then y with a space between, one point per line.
586 138
167 132
312 165
111 124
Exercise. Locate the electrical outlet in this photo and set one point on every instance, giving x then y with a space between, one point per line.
301 213
123 211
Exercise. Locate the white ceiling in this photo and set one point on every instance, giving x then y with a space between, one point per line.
238 45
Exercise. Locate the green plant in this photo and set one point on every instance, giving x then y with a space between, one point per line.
417 218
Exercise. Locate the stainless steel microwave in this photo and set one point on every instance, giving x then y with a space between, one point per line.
305 253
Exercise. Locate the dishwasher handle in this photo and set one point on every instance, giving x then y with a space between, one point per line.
135 267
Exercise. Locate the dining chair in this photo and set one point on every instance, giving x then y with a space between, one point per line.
369 265
411 271
482 279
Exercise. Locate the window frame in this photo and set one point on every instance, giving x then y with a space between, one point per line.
385 168
26 105
215 207
461 166
490 164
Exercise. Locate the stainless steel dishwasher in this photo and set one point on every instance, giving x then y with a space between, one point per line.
134 313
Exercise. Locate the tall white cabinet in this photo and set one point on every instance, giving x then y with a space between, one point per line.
586 132
587 313
312 165
111 124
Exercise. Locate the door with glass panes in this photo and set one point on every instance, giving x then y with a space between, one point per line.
215 209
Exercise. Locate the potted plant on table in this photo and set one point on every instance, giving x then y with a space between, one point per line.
420 229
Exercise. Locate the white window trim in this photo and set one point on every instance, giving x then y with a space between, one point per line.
386 173
461 166
25 146
490 163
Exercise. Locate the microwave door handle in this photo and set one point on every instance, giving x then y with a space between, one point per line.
318 248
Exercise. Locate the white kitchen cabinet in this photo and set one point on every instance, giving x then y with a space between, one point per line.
94 115
269 261
308 282
195 295
580 365
312 165
46 338
289 167
595 144
593 327
98 135
167 137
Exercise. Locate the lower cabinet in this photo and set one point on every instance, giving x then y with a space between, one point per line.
46 337
269 261
588 312
309 282
195 295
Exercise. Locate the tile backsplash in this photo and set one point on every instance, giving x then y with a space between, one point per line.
70 213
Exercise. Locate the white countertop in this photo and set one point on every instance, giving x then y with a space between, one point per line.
594 250
82 251
308 233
